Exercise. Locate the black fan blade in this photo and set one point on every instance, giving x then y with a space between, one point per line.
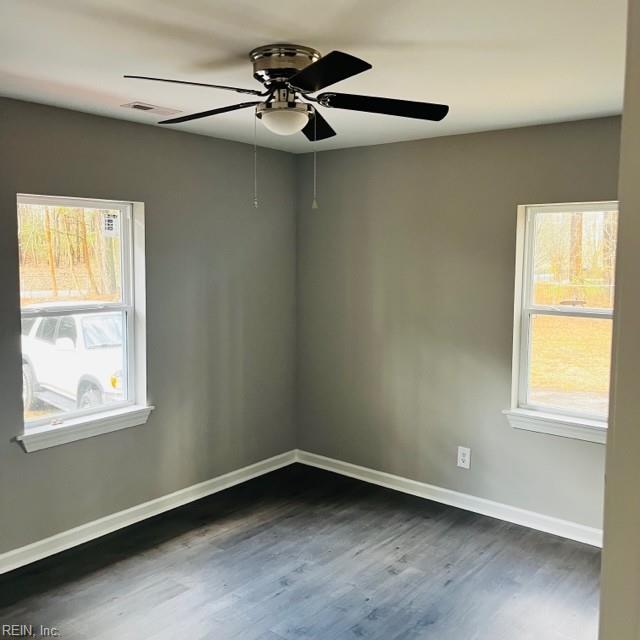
211 112
387 106
252 92
332 68
318 128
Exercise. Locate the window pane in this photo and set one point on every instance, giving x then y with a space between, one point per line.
574 258
73 362
47 330
69 254
27 324
570 362
67 329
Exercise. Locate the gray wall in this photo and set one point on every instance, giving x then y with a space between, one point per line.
620 615
405 309
220 303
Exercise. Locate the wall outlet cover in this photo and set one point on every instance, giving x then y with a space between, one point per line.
464 457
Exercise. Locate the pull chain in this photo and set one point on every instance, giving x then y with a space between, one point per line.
314 204
255 159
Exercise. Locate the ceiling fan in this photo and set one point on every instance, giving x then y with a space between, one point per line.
290 73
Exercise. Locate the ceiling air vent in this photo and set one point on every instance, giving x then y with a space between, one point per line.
150 108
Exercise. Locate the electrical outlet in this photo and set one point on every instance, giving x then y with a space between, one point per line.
464 457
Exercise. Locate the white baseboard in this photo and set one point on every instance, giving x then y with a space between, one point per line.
91 530
531 519
85 532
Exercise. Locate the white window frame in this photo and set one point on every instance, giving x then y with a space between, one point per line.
82 423
523 415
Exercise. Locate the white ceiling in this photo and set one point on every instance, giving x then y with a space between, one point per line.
498 63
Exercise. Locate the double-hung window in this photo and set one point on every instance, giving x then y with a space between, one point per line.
563 318
82 300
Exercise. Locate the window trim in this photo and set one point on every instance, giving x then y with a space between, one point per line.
136 409
521 415
81 427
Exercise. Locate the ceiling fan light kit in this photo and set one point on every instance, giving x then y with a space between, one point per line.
290 73
284 114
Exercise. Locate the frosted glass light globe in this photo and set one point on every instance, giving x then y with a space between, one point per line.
285 122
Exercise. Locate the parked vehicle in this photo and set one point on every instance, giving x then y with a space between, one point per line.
72 361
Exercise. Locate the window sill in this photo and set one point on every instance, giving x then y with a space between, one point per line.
85 427
558 425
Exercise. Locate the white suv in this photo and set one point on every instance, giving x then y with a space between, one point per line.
72 361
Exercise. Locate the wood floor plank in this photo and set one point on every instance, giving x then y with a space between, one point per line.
303 553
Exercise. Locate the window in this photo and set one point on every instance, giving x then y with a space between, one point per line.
46 329
563 318
82 305
67 329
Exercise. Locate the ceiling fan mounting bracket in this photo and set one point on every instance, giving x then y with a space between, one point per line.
276 63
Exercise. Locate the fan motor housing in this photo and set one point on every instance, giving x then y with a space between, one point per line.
283 100
276 63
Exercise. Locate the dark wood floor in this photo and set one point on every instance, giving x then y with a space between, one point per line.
303 553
